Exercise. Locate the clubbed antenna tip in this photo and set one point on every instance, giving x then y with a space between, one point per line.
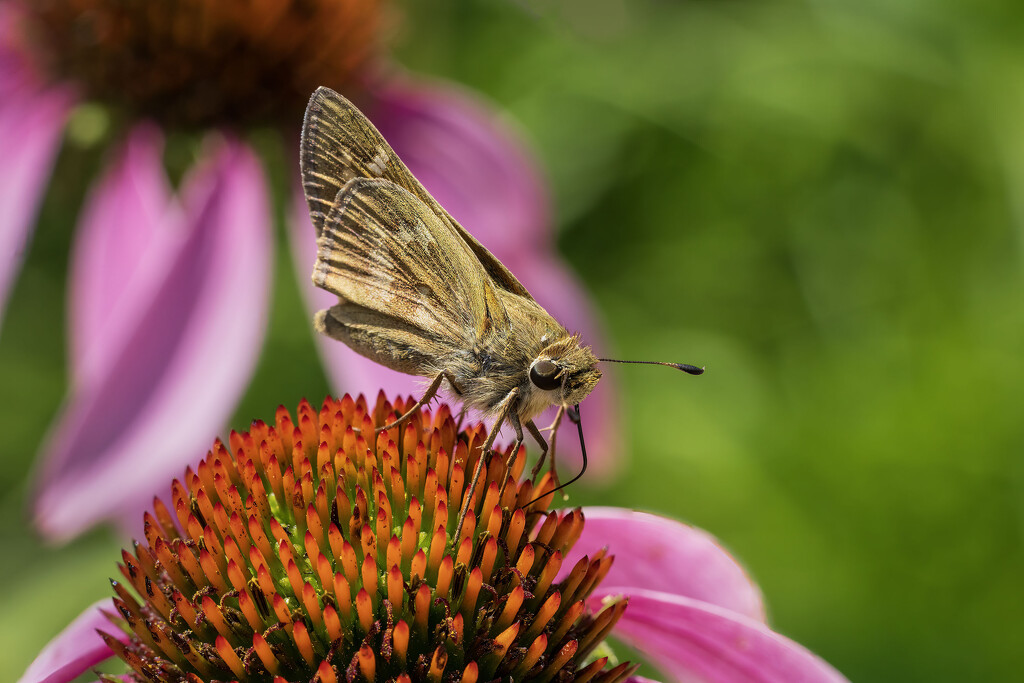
685 367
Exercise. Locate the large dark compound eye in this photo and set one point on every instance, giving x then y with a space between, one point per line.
544 375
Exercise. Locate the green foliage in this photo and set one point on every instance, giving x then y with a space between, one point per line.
821 202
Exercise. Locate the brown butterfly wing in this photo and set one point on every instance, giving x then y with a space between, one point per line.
410 290
339 144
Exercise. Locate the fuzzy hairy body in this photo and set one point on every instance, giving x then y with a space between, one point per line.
416 292
482 371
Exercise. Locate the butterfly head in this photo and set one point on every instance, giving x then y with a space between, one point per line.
566 370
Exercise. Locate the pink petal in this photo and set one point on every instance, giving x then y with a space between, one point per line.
119 257
76 648
31 122
691 640
661 554
182 362
475 166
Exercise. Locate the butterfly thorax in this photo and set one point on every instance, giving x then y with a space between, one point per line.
501 360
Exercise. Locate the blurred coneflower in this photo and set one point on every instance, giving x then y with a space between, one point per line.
169 289
314 550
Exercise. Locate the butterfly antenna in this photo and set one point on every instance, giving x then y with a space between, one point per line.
685 367
583 450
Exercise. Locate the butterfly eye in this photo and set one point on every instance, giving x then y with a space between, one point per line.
544 375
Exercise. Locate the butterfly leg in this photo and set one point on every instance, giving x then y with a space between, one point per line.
505 408
513 420
531 427
428 395
548 449
463 412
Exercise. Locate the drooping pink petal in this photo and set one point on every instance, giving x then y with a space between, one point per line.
31 121
660 554
691 640
127 227
76 648
474 165
182 363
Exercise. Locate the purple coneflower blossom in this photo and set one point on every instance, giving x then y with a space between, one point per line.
169 288
303 551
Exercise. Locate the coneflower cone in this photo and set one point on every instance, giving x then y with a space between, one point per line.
204 63
314 549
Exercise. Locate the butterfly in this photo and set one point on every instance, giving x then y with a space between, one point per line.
419 294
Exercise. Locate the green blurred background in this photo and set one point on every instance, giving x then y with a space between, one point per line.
820 201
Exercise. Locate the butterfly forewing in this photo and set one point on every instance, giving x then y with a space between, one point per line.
382 250
339 144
